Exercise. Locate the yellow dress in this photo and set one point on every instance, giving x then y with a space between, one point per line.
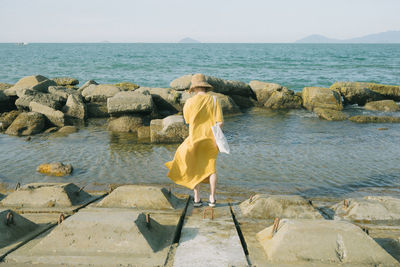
196 157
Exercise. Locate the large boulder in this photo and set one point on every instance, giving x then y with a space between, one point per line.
63 81
226 87
362 92
295 242
263 90
27 123
75 108
26 83
330 114
6 102
318 97
382 105
374 119
62 91
127 124
6 119
130 103
171 129
4 86
50 100
56 117
369 208
284 99
263 206
97 110
55 169
99 93
166 100
243 101
227 104
127 86
86 84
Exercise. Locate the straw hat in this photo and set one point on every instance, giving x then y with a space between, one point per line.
199 80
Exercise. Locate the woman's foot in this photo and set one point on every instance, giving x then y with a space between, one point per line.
197 203
212 201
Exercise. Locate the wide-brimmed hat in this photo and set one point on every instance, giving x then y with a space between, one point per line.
199 80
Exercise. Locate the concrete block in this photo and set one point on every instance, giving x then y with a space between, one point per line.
322 242
142 197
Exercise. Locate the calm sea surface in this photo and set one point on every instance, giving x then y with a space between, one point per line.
279 152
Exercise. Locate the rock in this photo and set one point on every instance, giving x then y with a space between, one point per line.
46 195
130 102
6 102
99 93
68 130
126 124
284 99
6 119
374 119
86 84
282 206
321 242
382 105
51 130
184 97
56 117
62 91
221 86
330 114
62 81
97 110
55 169
75 108
227 104
362 92
143 132
49 100
127 86
141 197
370 208
243 102
171 129
318 97
25 83
263 90
165 99
4 86
27 123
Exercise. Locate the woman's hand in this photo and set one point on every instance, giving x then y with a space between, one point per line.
220 124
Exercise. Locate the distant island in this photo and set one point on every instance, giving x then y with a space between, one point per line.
188 40
383 37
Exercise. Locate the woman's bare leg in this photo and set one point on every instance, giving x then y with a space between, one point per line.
196 191
213 185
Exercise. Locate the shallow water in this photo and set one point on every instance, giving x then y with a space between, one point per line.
281 152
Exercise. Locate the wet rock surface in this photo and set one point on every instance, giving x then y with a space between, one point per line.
55 168
171 129
318 97
27 123
330 114
130 103
374 119
65 81
383 105
125 124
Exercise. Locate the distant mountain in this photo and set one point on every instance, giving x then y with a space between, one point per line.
188 40
383 37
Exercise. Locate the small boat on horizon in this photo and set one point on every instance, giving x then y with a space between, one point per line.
22 43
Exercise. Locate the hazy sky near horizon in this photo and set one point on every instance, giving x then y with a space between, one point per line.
206 20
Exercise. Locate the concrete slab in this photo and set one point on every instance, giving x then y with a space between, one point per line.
103 237
142 197
263 206
322 242
207 242
46 196
368 209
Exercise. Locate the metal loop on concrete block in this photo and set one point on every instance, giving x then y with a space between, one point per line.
148 225
61 218
275 227
205 212
9 218
365 229
169 191
17 186
310 202
346 203
80 189
110 189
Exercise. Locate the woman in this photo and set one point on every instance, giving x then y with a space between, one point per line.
195 158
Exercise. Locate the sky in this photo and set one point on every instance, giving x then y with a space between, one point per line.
223 21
